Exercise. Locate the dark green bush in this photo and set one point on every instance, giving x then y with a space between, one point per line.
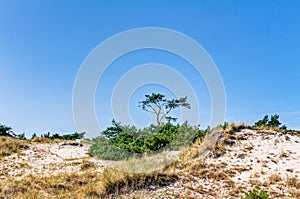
273 122
104 149
73 136
120 142
7 131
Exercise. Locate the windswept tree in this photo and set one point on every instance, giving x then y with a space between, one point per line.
161 107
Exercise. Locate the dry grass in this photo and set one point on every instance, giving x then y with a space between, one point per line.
86 164
48 140
293 182
219 149
117 182
85 185
255 182
193 170
274 178
233 127
146 163
201 148
10 145
266 129
59 186
295 193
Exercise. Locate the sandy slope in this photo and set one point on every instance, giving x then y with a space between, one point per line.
268 160
48 158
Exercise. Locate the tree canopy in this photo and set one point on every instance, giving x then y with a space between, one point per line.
157 103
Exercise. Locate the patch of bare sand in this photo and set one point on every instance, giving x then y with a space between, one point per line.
49 159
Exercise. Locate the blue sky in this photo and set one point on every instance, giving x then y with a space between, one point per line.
255 45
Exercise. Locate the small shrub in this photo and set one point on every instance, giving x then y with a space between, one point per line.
186 135
262 122
6 131
256 194
272 123
73 136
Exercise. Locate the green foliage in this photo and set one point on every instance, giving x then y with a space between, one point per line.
73 136
186 135
33 136
263 122
120 142
46 135
6 131
256 194
223 126
273 122
104 149
113 131
161 107
21 136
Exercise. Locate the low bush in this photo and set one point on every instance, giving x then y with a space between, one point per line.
7 131
120 142
104 149
272 123
73 136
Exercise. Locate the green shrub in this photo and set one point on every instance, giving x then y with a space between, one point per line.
256 194
273 122
186 135
120 142
73 136
7 131
104 149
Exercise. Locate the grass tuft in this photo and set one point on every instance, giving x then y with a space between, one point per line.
117 182
9 145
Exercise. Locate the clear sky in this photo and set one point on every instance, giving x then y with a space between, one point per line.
255 45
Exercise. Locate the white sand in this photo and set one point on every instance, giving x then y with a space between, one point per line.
47 159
